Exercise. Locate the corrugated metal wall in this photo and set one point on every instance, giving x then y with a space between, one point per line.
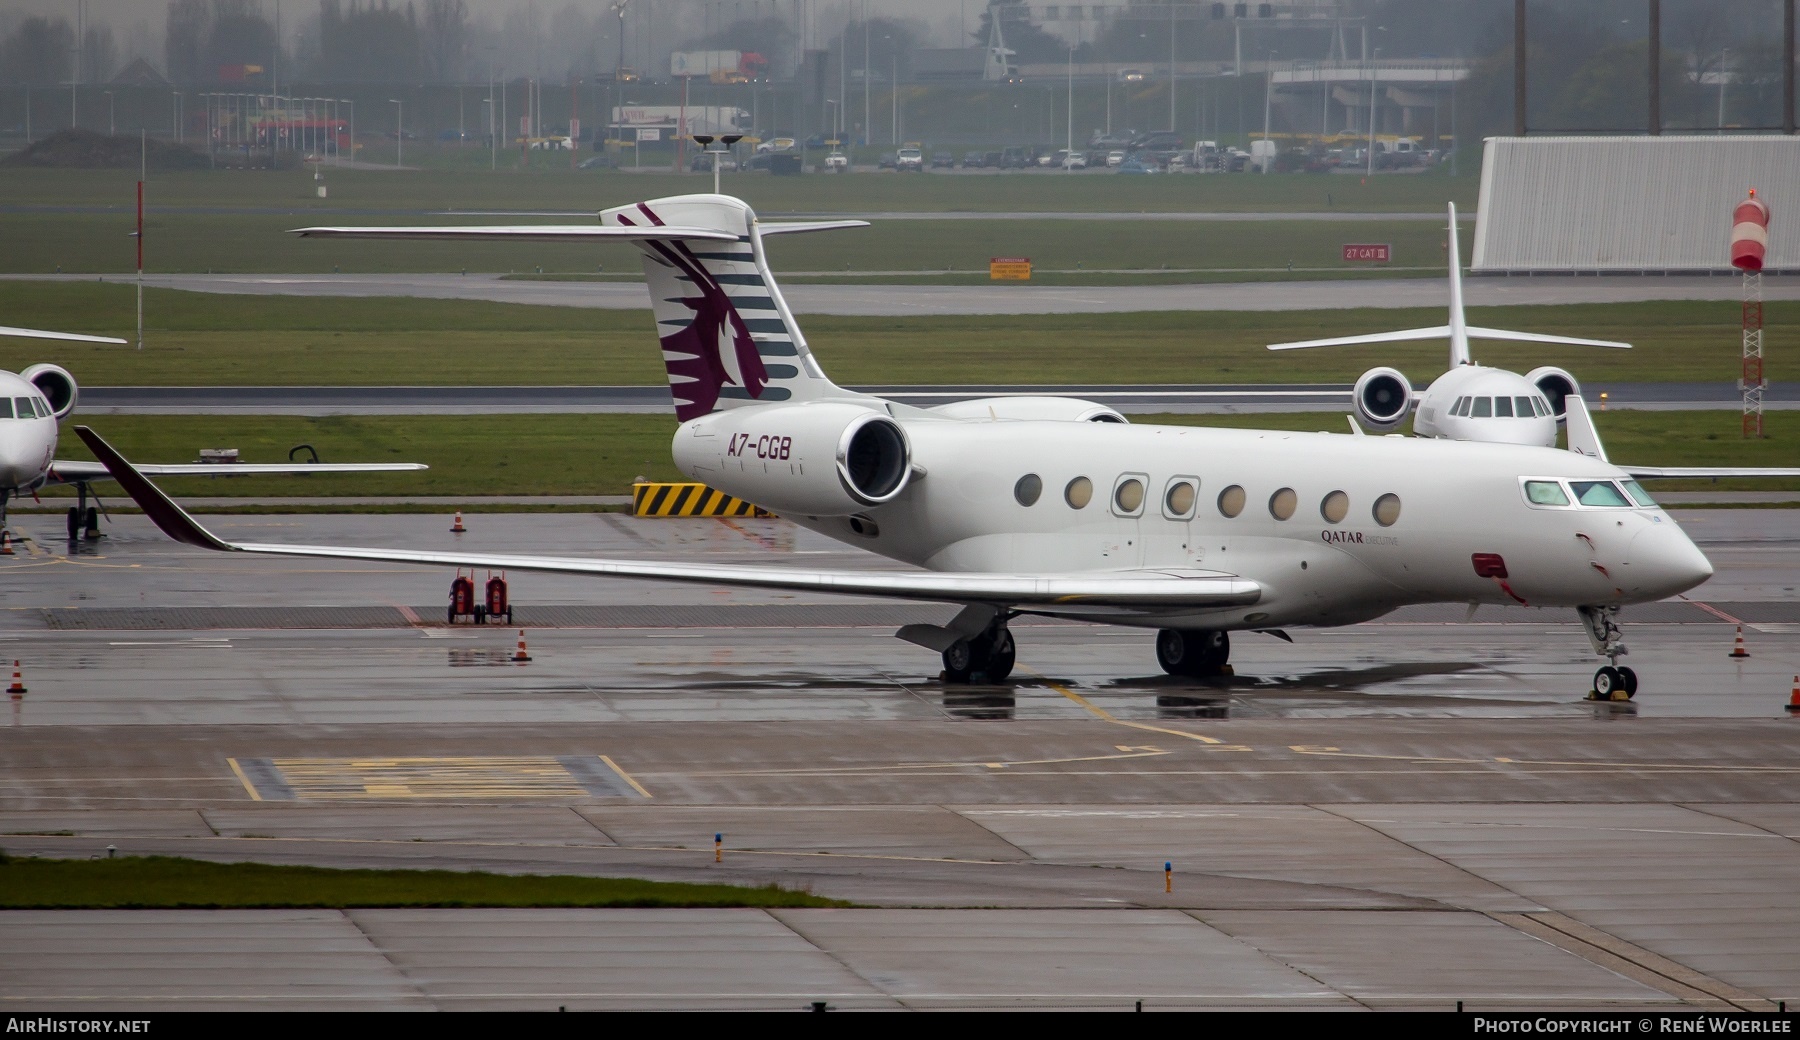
1653 204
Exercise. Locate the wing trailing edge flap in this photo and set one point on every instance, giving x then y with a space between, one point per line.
69 472
1131 589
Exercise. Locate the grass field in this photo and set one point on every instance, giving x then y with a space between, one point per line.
555 187
78 221
601 454
167 882
198 339
257 242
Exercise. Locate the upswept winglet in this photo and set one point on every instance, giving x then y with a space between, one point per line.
160 508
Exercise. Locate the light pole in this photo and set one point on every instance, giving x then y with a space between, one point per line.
493 151
894 93
1268 92
836 116
1069 143
1371 162
1171 66
399 131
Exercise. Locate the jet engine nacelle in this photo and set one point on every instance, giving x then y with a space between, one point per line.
1382 398
57 385
1556 385
819 459
1062 409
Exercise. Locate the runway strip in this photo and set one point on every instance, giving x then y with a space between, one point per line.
1134 399
883 300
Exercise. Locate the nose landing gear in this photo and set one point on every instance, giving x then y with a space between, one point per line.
83 518
1612 682
1187 652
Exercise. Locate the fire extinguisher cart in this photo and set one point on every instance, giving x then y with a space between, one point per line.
463 602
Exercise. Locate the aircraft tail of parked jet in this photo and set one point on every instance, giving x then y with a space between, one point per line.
1383 396
728 337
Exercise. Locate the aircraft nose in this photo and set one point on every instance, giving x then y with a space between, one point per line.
1663 561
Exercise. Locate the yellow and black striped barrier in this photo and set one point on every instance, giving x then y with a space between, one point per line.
656 499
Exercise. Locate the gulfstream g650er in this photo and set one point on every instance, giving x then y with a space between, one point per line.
1058 506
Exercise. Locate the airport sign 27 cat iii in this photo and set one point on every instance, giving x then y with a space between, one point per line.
1056 506
33 401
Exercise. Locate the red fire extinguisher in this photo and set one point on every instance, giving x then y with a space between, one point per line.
497 603
462 597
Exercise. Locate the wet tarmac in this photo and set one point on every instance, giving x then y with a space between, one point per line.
1406 813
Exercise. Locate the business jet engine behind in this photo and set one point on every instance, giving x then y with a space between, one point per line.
824 458
1557 386
57 386
1383 398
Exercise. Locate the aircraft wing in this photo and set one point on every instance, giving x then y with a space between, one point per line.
70 472
1128 589
7 330
1644 472
518 232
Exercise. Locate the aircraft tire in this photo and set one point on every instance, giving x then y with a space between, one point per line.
1001 656
1631 681
1192 652
1609 684
74 523
92 521
959 662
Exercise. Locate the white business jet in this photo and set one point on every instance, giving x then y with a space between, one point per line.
1011 506
31 403
1471 402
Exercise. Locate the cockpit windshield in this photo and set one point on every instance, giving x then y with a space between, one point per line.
1593 494
23 408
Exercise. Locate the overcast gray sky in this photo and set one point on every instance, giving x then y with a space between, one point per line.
536 37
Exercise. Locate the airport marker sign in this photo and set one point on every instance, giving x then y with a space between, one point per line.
1377 252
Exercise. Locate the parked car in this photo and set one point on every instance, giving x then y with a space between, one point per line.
1115 157
702 162
1117 139
1130 75
1136 165
1074 161
837 162
776 144
1014 158
974 160
943 161
887 161
1157 141
912 159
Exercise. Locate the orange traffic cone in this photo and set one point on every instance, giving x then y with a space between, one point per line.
457 527
1737 648
1793 703
6 548
520 655
18 683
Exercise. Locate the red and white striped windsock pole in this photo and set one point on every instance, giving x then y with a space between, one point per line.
1749 233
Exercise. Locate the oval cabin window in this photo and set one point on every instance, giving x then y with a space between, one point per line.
1335 507
1231 501
1027 490
1128 497
1387 510
1179 501
1079 493
1282 503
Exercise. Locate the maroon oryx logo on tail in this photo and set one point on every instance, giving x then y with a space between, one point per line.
710 360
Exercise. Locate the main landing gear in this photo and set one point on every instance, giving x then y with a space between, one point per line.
83 518
1193 652
984 658
1612 682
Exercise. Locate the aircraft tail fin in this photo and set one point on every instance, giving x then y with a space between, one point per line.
728 336
1459 325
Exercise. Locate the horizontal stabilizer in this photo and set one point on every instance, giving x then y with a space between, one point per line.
1538 337
1399 336
796 227
518 233
70 336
